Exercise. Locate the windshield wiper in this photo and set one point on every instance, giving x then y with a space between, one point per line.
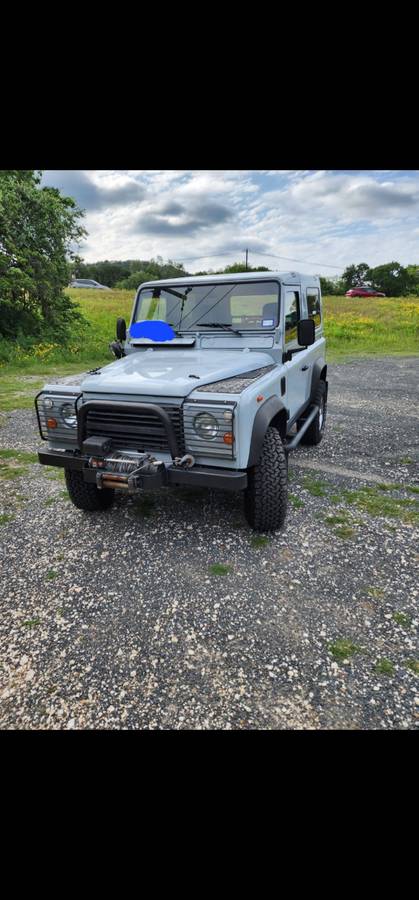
222 325
183 296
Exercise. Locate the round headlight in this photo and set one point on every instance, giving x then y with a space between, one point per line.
206 426
48 404
68 414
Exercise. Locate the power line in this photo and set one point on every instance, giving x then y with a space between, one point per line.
307 262
206 256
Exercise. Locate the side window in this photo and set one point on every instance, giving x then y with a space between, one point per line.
292 315
313 305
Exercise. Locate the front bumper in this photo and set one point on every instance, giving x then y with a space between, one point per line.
167 475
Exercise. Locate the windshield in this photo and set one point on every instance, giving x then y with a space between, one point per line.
244 306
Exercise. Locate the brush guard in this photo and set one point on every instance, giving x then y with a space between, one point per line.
105 467
125 407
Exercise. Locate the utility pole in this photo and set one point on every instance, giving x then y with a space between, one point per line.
247 251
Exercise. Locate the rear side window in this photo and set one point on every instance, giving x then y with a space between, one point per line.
292 315
313 305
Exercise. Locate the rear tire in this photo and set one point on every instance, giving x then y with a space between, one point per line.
315 431
87 496
266 496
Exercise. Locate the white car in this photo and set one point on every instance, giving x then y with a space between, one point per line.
88 283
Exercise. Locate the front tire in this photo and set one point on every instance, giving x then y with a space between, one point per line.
266 496
87 496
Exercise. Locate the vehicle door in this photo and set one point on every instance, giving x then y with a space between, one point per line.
313 311
297 369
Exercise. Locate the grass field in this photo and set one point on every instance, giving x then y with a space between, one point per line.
353 328
371 327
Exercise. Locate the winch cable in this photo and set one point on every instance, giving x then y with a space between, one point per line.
125 465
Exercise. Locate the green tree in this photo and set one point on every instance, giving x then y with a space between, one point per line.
413 273
39 229
172 270
391 278
330 285
241 267
112 273
165 270
355 275
106 272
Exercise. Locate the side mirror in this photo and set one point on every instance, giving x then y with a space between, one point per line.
117 349
121 329
305 332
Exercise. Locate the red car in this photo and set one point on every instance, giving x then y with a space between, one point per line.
363 292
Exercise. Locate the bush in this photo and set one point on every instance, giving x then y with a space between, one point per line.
134 280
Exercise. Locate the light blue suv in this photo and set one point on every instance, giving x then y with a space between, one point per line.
217 379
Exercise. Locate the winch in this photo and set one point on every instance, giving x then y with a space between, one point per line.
129 472
124 471
123 464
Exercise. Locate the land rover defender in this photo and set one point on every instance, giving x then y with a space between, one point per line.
216 380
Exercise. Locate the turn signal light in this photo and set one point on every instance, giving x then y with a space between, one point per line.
52 423
228 438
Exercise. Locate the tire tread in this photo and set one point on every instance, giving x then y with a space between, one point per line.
267 491
87 496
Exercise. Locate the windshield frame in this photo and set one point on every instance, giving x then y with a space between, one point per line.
171 287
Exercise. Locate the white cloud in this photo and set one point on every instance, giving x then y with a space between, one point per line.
329 218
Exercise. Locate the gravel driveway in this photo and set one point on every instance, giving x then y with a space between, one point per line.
118 620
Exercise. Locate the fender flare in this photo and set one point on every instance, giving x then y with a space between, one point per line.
263 418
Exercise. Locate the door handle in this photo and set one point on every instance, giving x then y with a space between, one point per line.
304 368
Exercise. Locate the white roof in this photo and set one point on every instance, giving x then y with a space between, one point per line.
285 277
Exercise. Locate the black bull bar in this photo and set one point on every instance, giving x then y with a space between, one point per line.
111 406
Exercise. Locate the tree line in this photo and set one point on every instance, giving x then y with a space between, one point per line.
391 278
127 274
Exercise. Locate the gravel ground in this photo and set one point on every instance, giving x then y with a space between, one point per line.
115 620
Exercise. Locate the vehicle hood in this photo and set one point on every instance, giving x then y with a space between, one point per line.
168 372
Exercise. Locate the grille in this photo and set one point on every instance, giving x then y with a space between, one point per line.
137 430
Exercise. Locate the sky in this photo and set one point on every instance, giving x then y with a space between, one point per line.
316 222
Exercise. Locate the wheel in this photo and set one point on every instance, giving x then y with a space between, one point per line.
265 503
87 496
315 431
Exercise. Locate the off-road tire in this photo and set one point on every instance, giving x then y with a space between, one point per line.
315 431
87 496
266 496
